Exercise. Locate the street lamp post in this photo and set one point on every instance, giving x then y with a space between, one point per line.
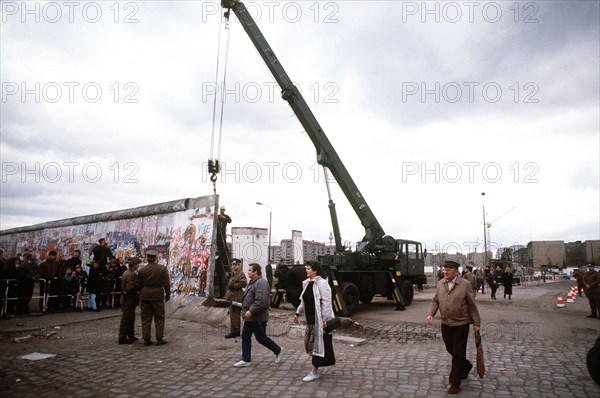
270 219
485 259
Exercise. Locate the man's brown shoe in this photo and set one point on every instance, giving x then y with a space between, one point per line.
453 390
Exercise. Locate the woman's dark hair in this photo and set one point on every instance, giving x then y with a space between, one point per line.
316 266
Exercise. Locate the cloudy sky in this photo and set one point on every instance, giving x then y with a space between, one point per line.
109 105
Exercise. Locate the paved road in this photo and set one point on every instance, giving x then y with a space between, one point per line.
400 358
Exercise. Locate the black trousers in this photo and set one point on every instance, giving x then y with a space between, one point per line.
455 338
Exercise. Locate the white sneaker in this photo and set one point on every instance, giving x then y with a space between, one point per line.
279 357
242 364
311 376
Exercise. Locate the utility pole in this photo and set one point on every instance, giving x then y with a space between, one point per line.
485 259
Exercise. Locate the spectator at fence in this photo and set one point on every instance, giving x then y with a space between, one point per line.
108 284
82 277
94 287
507 282
29 274
75 260
120 269
10 277
51 272
69 288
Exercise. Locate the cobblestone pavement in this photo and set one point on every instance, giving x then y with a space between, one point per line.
398 359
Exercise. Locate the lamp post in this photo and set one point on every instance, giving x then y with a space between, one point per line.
485 260
270 219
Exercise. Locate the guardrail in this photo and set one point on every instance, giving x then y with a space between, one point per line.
50 292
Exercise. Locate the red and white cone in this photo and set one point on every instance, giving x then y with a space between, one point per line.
570 297
559 301
574 294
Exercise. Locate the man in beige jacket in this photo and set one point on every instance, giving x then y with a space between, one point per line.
455 299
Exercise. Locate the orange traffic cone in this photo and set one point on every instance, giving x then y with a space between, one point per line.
559 301
574 294
570 297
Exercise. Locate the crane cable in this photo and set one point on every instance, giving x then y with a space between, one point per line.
214 163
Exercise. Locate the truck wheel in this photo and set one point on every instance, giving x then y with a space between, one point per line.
350 296
366 299
407 292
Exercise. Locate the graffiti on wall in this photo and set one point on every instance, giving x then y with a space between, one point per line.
183 239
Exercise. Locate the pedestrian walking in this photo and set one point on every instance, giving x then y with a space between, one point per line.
154 286
129 300
456 303
492 283
235 293
255 307
480 275
315 303
507 282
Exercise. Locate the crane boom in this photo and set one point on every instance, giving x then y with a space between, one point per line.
326 154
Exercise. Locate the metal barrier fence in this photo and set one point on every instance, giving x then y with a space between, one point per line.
47 292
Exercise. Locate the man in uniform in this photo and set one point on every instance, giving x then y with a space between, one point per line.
456 302
129 300
237 282
154 286
468 275
592 290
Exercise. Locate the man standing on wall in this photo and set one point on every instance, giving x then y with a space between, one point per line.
456 302
154 286
223 251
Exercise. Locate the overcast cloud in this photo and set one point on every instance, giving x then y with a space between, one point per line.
427 109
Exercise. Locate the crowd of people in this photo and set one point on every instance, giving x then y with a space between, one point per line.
60 281
492 277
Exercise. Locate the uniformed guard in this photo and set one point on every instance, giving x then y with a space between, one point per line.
129 300
235 292
154 286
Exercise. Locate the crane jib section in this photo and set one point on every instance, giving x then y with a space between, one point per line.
326 154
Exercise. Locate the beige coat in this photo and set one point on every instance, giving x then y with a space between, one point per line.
457 306
237 282
129 293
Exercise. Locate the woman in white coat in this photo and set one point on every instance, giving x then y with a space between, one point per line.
315 302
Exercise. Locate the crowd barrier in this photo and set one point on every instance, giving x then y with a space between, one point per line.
74 300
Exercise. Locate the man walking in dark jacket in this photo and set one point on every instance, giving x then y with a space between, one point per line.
255 310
